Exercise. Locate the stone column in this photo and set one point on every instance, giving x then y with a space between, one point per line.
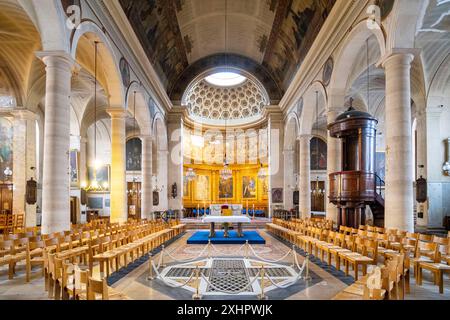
55 178
119 212
24 161
305 176
334 156
83 160
399 177
146 188
175 159
289 179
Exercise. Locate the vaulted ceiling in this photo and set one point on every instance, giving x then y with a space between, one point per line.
273 34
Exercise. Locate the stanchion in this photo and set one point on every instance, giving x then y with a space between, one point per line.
197 295
262 296
307 277
162 256
246 249
150 275
293 256
209 249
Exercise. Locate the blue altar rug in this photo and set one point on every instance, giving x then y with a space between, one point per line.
202 237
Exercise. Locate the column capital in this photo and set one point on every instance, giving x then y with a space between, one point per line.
52 57
146 137
404 58
24 114
117 112
305 137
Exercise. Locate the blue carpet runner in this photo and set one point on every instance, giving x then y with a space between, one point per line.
202 237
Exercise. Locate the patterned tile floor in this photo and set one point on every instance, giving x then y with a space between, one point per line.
133 280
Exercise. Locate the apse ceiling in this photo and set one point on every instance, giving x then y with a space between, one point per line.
275 34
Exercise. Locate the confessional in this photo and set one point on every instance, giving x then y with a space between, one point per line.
357 185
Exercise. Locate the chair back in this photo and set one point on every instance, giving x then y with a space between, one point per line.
97 287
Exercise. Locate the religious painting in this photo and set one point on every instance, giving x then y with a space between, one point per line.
380 165
292 39
102 175
225 188
6 147
156 26
248 187
95 203
318 149
74 168
202 190
265 187
125 72
277 195
134 154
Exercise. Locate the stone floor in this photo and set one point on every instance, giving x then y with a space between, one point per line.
325 286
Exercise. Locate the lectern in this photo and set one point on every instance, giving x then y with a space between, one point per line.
355 187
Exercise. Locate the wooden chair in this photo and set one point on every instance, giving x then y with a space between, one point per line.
99 290
8 249
370 247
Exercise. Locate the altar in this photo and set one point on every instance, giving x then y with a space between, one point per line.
227 220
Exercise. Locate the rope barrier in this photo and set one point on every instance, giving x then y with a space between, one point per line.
158 276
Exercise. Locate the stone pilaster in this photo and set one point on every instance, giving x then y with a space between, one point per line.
289 178
305 176
119 211
56 180
146 188
399 176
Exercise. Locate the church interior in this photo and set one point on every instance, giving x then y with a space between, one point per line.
224 150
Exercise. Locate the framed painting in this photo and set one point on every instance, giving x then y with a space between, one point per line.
134 154
277 195
226 188
6 148
265 188
102 174
249 187
202 188
95 203
74 168
318 154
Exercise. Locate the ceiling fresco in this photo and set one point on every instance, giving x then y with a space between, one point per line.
274 34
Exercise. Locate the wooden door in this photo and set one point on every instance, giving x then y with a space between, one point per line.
6 198
134 200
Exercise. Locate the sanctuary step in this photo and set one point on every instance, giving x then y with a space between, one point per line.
193 224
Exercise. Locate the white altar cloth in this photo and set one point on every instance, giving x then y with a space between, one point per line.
226 219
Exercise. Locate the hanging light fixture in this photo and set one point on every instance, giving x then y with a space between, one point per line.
317 192
94 186
262 173
134 186
226 172
156 187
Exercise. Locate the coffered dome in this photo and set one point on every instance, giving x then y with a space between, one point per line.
213 104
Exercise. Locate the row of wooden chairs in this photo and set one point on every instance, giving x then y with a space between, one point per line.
11 223
364 246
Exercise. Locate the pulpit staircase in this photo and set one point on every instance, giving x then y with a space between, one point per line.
377 206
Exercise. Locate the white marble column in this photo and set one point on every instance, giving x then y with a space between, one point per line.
55 178
146 188
399 177
289 179
334 156
119 211
305 176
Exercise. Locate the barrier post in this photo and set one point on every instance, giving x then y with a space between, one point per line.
294 253
262 296
150 275
209 249
162 256
307 277
246 249
196 295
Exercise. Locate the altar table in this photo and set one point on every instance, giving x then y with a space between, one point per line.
225 219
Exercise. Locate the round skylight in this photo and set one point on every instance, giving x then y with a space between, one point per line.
225 79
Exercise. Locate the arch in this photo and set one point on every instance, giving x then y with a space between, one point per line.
108 56
160 160
143 116
291 131
309 110
348 53
159 131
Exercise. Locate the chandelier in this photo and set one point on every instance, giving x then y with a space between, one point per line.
317 192
190 174
226 172
94 185
8 173
134 186
156 188
262 173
